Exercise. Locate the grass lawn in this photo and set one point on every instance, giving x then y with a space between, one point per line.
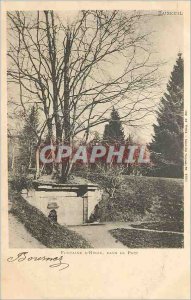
133 238
144 199
166 226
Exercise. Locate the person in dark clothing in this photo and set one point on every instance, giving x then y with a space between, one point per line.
53 215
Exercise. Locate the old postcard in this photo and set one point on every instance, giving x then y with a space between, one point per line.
95 161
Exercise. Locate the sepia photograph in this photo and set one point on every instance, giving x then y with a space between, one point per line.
95 129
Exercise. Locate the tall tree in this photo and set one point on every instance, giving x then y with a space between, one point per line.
29 140
167 144
66 64
114 131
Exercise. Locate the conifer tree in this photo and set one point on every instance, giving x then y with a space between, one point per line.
167 144
29 138
114 131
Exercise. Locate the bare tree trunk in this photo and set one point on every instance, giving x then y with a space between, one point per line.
13 158
37 162
30 157
66 116
51 35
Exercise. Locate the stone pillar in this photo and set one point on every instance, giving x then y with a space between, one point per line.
85 208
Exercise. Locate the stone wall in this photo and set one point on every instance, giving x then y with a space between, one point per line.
71 208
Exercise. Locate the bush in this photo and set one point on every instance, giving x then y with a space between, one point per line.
21 182
52 235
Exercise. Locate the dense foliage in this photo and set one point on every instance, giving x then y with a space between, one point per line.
167 145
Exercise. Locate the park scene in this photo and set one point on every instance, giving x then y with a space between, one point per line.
95 129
